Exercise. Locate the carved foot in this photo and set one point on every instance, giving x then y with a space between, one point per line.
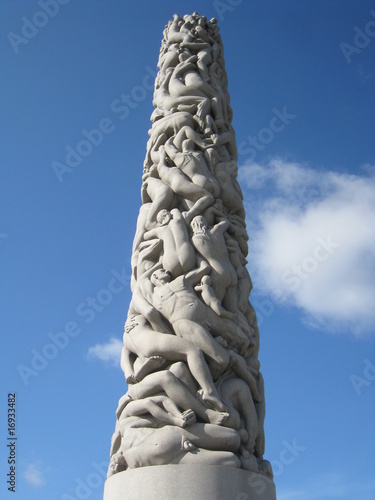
151 364
218 418
116 464
188 418
212 401
124 400
131 379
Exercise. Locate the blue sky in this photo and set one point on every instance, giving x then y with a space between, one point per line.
301 78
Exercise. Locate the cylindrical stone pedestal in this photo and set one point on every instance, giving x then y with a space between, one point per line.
189 482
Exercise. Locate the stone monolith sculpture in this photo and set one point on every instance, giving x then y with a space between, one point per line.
191 422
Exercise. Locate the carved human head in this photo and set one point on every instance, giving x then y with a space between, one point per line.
212 157
160 277
206 280
199 225
188 145
163 217
184 55
202 21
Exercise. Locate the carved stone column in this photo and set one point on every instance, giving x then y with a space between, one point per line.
191 422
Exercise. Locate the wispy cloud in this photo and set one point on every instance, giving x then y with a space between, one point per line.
312 241
329 486
34 474
291 495
109 352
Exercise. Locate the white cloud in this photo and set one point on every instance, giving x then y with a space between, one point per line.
330 485
313 241
291 495
34 475
109 352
